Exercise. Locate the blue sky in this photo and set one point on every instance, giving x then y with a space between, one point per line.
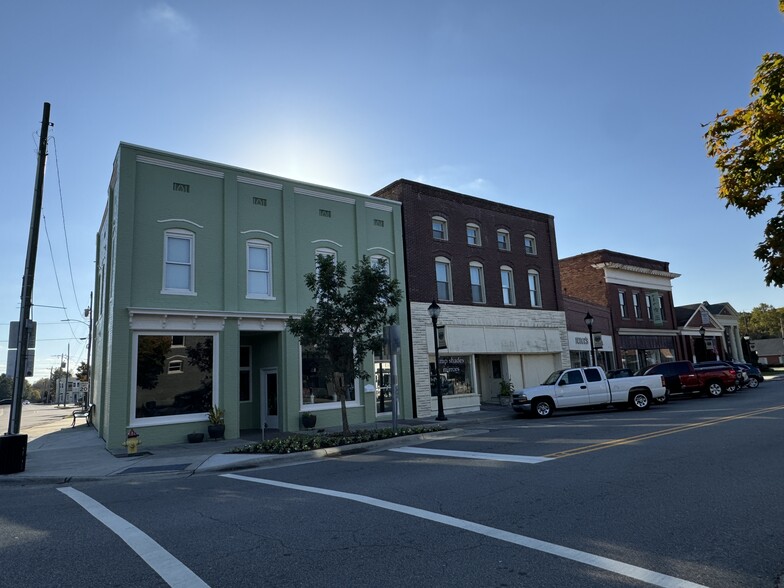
589 111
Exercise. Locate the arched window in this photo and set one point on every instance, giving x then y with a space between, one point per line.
477 275
529 242
534 289
440 228
259 260
178 252
502 235
507 285
443 278
473 234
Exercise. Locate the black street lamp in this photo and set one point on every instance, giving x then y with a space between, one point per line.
589 323
704 350
434 311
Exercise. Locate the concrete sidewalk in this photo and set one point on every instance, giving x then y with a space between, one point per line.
58 453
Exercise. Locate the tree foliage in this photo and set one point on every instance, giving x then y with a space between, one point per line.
356 313
763 322
83 372
748 148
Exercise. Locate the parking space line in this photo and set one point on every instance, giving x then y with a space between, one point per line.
163 563
597 561
663 432
472 455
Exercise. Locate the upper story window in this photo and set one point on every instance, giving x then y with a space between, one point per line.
507 285
259 257
622 303
380 261
534 289
661 306
473 235
178 262
649 306
476 272
443 279
636 305
440 229
529 242
502 235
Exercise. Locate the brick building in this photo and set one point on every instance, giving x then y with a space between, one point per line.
493 269
638 293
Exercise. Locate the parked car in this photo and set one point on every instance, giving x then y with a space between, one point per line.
681 377
741 377
755 375
579 387
620 373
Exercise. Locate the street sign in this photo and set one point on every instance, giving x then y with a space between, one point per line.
13 334
10 366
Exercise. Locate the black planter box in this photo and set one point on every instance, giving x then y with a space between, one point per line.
13 453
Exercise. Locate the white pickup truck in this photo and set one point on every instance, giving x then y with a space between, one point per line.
578 387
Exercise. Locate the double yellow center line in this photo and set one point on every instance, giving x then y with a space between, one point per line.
654 434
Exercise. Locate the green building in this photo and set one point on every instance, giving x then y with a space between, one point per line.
198 267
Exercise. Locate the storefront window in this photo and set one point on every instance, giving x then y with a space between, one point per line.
630 360
173 375
455 373
322 379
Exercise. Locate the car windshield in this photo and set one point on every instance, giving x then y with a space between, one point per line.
553 378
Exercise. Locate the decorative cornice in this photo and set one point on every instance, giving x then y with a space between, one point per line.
262 183
377 206
635 269
323 195
326 241
381 249
179 166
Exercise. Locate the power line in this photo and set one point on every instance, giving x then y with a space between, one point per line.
65 232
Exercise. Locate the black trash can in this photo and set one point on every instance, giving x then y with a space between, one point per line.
13 453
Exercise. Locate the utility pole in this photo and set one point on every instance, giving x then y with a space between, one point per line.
13 446
29 277
88 314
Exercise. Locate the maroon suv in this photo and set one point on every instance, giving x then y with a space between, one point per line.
681 377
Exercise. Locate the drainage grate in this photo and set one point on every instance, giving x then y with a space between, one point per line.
175 467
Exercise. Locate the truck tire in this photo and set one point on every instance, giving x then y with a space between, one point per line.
714 389
640 399
543 407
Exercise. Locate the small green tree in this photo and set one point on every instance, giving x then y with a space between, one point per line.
83 372
347 316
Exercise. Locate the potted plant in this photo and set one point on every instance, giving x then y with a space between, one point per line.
505 392
308 420
216 428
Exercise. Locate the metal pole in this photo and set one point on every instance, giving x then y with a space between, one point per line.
27 281
67 368
393 388
590 340
441 416
89 394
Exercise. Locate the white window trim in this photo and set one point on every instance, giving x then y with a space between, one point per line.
537 291
508 240
478 230
512 298
440 219
477 266
448 264
195 417
258 244
533 243
191 237
374 259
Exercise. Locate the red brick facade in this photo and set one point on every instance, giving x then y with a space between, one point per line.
422 202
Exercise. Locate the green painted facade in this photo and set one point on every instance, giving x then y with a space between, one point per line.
158 200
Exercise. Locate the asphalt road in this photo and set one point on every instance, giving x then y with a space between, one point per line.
685 494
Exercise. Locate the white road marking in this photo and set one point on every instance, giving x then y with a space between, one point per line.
617 567
472 455
163 563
